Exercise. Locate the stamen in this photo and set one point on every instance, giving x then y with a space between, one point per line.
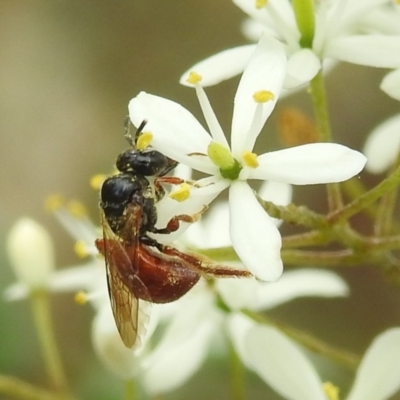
261 3
81 298
182 193
54 202
250 159
194 78
96 181
77 209
144 140
331 391
262 96
80 249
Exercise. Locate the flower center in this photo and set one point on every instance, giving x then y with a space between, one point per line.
331 391
222 158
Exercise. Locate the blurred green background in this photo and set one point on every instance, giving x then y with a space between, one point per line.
67 72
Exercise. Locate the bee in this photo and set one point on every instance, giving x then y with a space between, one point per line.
138 266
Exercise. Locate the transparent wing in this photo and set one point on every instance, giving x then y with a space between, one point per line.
124 303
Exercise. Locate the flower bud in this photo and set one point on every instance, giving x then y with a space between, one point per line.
31 253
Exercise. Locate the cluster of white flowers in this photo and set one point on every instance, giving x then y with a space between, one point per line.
285 57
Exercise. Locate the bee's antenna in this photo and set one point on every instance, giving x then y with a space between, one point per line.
127 133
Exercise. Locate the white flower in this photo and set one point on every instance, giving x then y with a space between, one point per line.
31 253
178 135
383 145
345 30
267 352
193 325
89 276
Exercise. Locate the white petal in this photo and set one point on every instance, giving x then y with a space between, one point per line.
301 283
30 250
258 14
303 65
282 365
83 277
240 294
383 145
212 230
277 192
238 327
16 291
253 30
257 296
254 236
184 345
220 66
380 51
176 132
379 372
178 363
266 70
382 20
109 347
310 164
277 15
391 84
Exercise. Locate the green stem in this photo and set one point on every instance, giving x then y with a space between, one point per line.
299 215
311 238
322 259
130 392
309 341
52 359
319 98
384 220
367 199
305 19
237 374
318 94
18 389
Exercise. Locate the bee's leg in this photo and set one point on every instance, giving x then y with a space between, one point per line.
174 223
148 241
169 180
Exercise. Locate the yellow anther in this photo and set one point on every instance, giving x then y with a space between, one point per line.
262 96
261 3
250 159
194 78
96 181
54 202
144 140
220 155
182 193
77 209
331 391
80 249
81 298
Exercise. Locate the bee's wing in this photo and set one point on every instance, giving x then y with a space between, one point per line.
124 304
125 307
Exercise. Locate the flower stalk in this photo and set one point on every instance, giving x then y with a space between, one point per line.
51 355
